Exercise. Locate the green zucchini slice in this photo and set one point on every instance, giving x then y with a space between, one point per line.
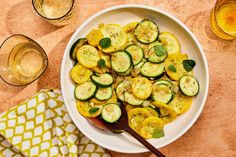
103 93
136 53
121 61
102 80
189 85
75 47
153 55
85 91
152 70
162 93
111 113
146 31
131 99
167 82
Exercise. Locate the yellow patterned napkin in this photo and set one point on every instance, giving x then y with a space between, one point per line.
42 127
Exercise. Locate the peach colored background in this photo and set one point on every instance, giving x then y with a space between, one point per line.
214 134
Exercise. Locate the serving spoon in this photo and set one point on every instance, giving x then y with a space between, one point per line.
122 124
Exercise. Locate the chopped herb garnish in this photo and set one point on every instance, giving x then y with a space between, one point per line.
105 42
93 110
189 64
172 68
102 63
158 133
159 50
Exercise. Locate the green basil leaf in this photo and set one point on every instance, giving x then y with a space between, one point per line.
105 42
102 63
189 64
158 133
159 50
93 110
172 68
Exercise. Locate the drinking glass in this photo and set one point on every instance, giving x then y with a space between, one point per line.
22 60
57 12
223 19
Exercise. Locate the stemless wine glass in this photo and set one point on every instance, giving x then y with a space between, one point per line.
223 19
22 60
57 12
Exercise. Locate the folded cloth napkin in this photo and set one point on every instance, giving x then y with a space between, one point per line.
42 127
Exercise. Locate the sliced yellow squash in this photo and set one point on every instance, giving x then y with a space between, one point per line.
106 57
150 125
141 87
116 34
176 60
170 42
136 116
96 101
167 113
80 74
181 103
113 98
84 108
94 37
129 30
129 107
88 56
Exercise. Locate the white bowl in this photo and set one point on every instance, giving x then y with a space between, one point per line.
124 14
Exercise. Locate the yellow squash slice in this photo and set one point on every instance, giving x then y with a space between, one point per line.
141 87
176 60
94 37
129 107
116 34
167 113
106 57
84 108
96 101
181 103
80 74
88 56
170 42
136 116
113 98
150 125
129 30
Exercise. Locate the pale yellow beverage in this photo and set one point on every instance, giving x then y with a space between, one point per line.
223 19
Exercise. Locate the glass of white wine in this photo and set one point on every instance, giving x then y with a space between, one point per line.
57 12
22 60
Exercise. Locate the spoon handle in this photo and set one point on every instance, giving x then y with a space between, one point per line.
144 142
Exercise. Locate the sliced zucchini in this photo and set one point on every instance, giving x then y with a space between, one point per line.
136 53
85 91
153 112
80 74
146 31
149 126
170 42
88 56
102 80
131 99
121 89
167 114
103 93
141 87
153 70
181 103
111 112
166 82
116 34
121 61
162 93
87 110
94 36
154 56
136 116
189 85
75 47
176 61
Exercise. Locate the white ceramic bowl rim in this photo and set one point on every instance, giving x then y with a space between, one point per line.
172 18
